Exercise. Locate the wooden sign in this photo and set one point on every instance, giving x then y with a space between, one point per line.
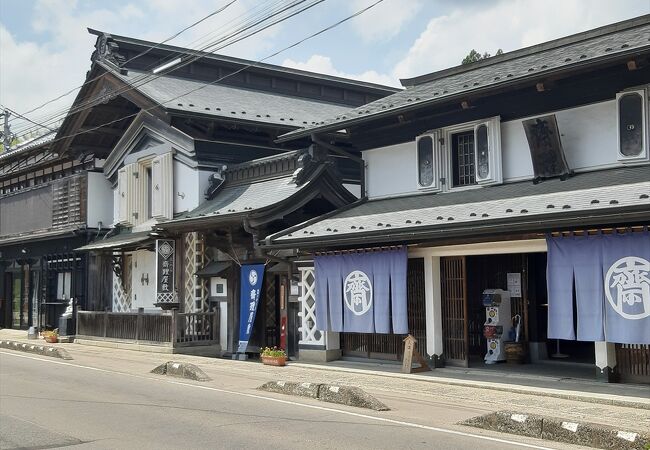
409 353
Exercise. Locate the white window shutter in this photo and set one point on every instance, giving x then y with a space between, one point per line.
429 161
124 217
487 147
632 124
162 176
134 192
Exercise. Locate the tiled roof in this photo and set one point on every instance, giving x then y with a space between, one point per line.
125 239
28 145
535 62
610 190
246 198
219 100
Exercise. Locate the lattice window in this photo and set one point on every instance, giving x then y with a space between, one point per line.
122 291
67 202
463 159
308 332
195 289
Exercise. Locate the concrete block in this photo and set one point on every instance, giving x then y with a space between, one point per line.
43 350
309 390
181 370
509 422
351 396
310 355
342 395
561 430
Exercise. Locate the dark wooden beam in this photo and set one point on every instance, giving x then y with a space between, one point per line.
103 130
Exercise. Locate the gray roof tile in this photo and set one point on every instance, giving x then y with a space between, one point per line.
614 188
230 102
500 70
244 198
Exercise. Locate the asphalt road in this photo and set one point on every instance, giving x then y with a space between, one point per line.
48 403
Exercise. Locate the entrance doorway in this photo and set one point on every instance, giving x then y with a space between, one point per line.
463 280
18 314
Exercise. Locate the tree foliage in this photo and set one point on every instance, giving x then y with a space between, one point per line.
474 56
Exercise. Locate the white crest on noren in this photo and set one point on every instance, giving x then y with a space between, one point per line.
627 287
252 277
357 292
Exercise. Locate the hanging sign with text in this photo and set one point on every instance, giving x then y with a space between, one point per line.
252 276
165 253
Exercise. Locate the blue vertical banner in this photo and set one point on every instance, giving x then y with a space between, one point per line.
252 276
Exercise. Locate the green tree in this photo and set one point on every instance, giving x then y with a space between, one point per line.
474 56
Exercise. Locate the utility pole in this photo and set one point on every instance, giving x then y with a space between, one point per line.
6 134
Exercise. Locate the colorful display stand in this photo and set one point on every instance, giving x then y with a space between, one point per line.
497 323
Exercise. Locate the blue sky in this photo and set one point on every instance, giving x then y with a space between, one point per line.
45 48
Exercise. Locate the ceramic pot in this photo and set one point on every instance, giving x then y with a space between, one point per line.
274 360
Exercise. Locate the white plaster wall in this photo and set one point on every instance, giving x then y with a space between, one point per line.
355 189
390 170
204 176
588 133
187 188
144 295
100 201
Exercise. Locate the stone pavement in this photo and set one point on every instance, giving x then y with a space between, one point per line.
399 391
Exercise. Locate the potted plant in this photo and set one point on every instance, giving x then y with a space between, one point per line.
273 356
51 337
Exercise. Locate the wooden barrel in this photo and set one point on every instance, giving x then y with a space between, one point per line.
515 352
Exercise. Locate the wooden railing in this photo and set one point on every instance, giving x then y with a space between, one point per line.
171 329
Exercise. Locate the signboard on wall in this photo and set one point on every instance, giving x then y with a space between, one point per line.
514 284
165 277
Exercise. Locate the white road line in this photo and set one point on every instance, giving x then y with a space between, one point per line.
289 402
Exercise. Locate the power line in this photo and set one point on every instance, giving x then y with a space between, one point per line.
253 64
174 36
25 118
146 78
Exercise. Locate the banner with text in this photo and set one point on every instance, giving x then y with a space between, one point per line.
165 253
252 276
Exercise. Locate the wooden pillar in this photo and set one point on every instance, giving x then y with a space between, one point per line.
174 326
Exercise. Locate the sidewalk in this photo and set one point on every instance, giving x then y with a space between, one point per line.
614 405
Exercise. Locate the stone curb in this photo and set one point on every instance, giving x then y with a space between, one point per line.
554 429
604 399
342 395
181 370
38 349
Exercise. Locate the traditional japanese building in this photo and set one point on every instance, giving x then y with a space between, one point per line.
45 213
247 202
181 137
519 184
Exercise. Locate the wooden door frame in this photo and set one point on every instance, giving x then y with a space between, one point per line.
464 361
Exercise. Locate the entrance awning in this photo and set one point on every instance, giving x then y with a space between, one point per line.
213 269
120 241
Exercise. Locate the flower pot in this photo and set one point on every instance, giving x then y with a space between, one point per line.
51 339
274 360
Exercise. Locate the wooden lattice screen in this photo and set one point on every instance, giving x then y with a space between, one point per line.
453 280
